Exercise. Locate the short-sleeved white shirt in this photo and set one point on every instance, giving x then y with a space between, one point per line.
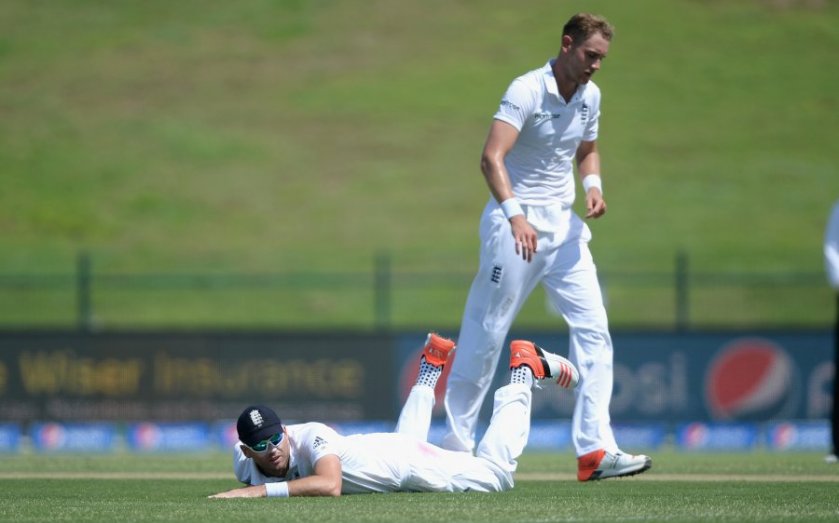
831 247
380 462
541 163
369 462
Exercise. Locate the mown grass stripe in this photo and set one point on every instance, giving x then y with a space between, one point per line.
528 476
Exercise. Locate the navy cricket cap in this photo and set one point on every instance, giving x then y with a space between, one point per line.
257 423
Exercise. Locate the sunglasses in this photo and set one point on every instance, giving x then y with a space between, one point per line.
262 446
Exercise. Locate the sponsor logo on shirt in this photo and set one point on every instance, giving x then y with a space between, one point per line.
584 114
544 116
511 105
318 442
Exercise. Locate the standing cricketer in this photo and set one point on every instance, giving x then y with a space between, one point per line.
311 459
831 261
547 120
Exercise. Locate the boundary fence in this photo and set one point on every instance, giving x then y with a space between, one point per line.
383 282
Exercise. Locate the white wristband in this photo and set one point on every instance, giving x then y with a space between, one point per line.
592 180
511 208
277 490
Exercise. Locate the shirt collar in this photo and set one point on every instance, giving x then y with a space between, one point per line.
550 84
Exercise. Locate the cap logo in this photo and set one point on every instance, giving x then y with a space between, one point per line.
256 418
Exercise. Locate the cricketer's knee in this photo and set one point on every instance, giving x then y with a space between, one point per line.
590 347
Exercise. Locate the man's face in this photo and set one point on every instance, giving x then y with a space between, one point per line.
584 59
274 461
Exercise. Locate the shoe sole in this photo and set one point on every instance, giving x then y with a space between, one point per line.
598 475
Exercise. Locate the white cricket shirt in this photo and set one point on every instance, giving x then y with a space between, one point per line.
541 163
369 462
831 247
380 462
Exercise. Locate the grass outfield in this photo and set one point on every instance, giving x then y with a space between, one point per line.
680 487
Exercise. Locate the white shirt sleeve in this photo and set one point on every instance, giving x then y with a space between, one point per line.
322 441
517 104
593 123
831 247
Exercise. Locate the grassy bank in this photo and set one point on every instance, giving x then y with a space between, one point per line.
310 136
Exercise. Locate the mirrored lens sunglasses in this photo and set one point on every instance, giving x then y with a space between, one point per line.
262 446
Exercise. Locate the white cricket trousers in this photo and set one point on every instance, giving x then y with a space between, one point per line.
433 469
564 266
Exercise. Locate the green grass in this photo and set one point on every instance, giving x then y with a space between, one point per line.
681 487
274 136
174 500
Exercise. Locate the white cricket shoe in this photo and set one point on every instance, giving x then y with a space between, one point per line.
602 464
545 365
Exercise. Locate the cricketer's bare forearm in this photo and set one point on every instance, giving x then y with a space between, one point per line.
588 164
588 159
502 137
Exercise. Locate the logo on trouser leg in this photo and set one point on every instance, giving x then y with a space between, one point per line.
495 277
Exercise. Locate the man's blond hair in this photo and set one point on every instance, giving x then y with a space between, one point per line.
582 26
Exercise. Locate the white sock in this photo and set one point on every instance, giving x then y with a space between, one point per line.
428 374
523 375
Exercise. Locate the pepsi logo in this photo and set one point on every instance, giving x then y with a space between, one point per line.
229 435
751 379
695 435
783 436
147 436
51 436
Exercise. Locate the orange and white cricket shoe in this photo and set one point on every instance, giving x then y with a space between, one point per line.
544 364
437 349
602 464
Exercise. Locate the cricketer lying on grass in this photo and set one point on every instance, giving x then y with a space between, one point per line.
311 459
